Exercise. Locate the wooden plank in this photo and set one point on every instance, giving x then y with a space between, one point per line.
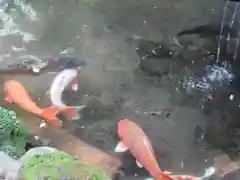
72 145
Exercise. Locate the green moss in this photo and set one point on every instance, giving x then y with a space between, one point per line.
58 165
13 134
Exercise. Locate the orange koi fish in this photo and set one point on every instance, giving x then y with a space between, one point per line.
134 139
16 93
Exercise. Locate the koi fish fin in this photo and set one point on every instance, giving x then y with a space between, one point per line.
75 84
49 114
139 164
8 99
73 111
121 147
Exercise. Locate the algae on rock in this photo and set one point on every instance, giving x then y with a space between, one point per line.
13 134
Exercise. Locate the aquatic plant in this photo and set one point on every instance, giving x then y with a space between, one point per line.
58 165
13 134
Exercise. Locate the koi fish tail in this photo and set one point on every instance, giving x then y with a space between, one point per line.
49 114
73 111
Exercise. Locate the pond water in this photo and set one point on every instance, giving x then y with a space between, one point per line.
106 34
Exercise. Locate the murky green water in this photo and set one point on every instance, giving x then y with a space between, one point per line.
99 30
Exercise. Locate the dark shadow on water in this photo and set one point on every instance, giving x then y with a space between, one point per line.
129 167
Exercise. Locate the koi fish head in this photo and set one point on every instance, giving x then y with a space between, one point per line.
75 84
10 84
121 127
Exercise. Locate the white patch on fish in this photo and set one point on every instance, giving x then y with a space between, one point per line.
139 164
121 147
208 173
61 81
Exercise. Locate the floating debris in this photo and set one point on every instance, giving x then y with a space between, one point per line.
85 28
182 164
159 113
16 49
109 28
231 97
50 10
198 134
162 113
67 51
210 97
36 137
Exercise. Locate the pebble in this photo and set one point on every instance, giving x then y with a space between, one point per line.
36 137
158 113
182 164
43 125
36 70
231 97
67 51
85 28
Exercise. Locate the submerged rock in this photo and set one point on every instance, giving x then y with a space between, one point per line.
154 58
